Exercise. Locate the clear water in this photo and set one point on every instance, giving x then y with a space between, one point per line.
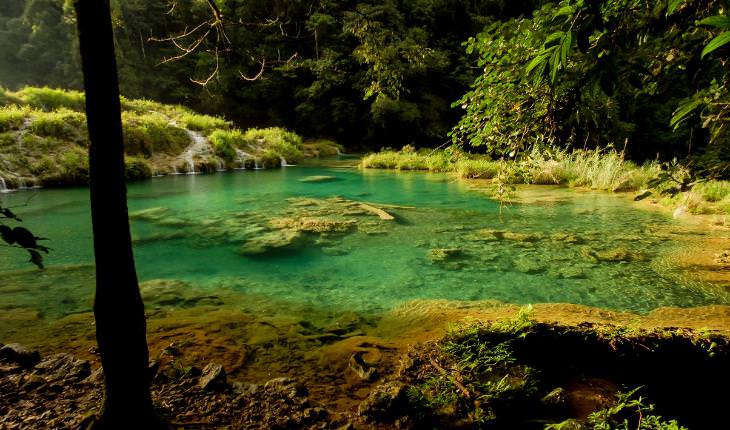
206 220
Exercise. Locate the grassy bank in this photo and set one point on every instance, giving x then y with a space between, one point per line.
599 170
44 141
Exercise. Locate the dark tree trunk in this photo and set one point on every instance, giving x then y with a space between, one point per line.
118 307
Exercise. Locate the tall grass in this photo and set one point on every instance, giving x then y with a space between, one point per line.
605 170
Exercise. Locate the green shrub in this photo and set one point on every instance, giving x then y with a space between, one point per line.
203 123
12 117
8 98
74 165
136 168
284 143
152 133
225 143
713 191
62 124
49 99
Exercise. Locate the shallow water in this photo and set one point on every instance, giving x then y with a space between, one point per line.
201 222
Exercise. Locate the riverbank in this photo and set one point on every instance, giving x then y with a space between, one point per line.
44 141
403 382
597 170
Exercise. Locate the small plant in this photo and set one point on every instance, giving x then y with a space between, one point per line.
630 413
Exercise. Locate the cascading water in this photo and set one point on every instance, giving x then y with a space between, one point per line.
3 186
284 163
199 146
242 157
23 131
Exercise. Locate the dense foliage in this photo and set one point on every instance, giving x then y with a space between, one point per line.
651 77
379 72
645 76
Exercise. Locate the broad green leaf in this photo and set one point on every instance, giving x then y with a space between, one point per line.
672 6
683 111
565 48
716 43
541 58
564 11
719 21
553 39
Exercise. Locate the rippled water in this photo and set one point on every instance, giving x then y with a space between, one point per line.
559 246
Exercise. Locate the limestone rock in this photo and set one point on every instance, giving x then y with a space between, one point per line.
364 370
213 377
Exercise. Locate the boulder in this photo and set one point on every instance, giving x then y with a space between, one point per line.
528 265
213 377
17 353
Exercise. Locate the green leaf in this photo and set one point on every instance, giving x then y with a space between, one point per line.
565 48
553 39
683 111
716 43
719 21
540 59
564 11
673 5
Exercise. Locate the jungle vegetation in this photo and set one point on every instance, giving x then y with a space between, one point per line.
649 78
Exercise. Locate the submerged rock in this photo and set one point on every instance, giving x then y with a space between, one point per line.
440 255
528 265
319 178
151 214
279 239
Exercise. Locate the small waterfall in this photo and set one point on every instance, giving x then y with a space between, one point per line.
256 164
199 146
23 131
3 186
21 183
174 170
242 157
284 163
220 167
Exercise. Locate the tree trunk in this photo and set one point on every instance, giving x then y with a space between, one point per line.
118 307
